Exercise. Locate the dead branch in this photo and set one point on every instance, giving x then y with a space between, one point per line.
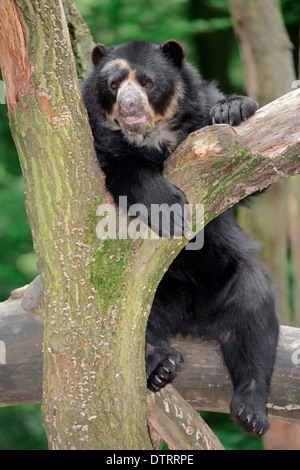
203 380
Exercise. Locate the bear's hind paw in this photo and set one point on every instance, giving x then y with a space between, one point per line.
247 413
164 372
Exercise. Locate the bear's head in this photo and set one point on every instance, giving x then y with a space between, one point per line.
138 85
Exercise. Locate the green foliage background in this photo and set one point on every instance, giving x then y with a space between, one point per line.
204 26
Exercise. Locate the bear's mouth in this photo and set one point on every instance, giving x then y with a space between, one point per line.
135 123
131 120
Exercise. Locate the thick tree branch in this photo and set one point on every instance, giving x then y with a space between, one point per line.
203 380
176 422
220 165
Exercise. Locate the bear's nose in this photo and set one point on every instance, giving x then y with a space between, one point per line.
129 104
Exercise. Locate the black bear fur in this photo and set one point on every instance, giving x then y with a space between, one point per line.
143 100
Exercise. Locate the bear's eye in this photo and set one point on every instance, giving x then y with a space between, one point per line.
148 83
114 85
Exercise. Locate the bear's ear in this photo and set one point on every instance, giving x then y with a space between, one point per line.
174 50
98 52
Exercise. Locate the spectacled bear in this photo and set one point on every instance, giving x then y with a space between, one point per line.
143 100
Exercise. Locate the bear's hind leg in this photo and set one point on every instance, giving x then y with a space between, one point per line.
172 301
248 342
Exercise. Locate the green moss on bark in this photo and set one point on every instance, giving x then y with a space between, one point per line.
108 271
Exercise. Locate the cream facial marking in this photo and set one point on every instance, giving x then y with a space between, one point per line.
121 63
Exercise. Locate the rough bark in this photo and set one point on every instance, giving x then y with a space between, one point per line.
175 421
98 293
81 39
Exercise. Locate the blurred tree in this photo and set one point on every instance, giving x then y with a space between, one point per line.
291 14
265 48
17 260
275 219
267 54
216 51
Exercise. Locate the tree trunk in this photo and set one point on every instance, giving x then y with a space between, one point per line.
98 293
88 352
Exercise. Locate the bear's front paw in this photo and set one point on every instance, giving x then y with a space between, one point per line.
247 412
165 371
171 216
233 110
